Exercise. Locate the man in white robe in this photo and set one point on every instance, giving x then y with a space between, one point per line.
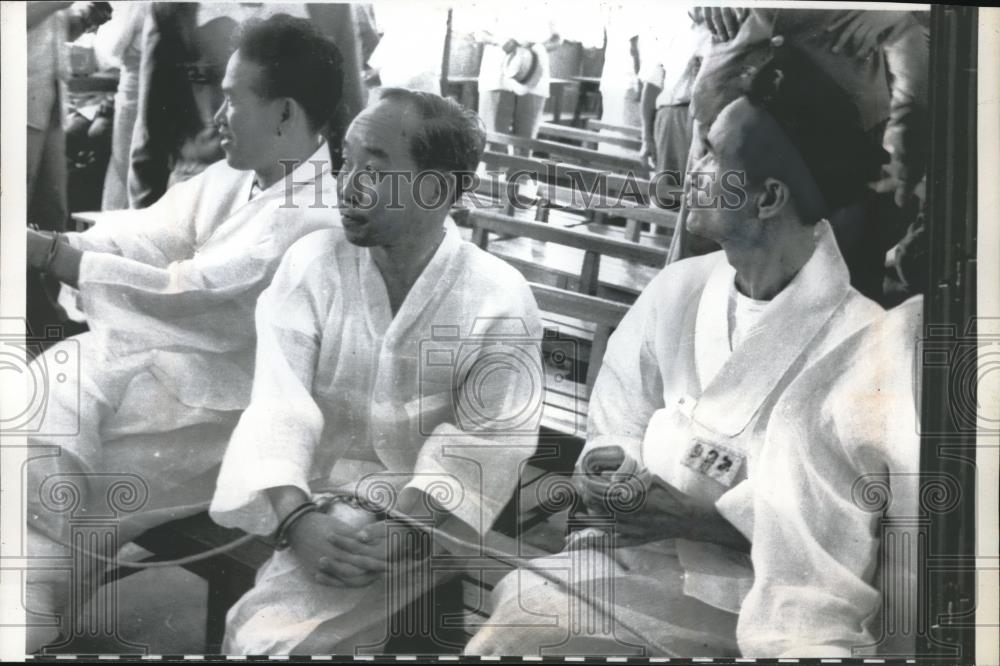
839 473
168 293
395 362
687 389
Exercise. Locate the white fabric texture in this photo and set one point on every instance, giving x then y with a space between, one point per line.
340 378
670 39
846 438
411 49
169 293
669 379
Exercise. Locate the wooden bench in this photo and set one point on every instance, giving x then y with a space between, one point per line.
563 430
624 130
587 138
600 209
494 187
583 157
569 258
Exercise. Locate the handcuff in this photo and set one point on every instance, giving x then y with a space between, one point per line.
323 503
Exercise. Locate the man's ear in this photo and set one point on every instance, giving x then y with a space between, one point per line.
775 197
438 191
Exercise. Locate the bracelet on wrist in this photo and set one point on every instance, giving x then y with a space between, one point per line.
281 534
53 251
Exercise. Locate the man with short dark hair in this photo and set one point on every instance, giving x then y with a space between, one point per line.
406 364
168 294
690 381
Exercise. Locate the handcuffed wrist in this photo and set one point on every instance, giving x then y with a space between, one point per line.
282 534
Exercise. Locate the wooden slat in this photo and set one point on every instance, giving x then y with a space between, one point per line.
581 306
589 136
589 273
582 240
563 173
621 281
581 156
571 198
624 130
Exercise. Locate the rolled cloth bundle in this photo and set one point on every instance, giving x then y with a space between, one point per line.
610 482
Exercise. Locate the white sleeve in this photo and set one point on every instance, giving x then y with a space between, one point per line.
629 387
202 300
155 236
475 459
274 441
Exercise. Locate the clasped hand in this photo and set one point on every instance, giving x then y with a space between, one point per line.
648 508
342 555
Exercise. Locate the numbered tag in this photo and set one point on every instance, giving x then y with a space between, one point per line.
714 461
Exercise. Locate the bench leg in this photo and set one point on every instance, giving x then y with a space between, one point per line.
224 589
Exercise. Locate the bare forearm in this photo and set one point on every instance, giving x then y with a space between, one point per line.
285 499
66 264
50 253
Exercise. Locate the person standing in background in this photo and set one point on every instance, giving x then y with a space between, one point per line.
514 70
409 54
118 45
671 45
185 47
50 25
620 84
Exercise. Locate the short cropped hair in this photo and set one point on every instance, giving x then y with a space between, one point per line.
299 62
451 138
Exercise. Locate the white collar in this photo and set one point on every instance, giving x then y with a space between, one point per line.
798 313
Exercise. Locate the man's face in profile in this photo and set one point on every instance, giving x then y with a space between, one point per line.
377 207
247 122
718 195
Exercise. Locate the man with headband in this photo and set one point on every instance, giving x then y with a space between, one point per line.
879 59
690 381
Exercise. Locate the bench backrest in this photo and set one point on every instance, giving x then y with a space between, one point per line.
602 207
589 138
624 130
582 156
583 305
631 189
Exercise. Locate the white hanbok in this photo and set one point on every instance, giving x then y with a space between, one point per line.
837 508
445 396
153 390
692 410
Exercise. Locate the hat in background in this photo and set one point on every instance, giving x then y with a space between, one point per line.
520 64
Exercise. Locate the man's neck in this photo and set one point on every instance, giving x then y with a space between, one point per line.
401 265
297 151
765 266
